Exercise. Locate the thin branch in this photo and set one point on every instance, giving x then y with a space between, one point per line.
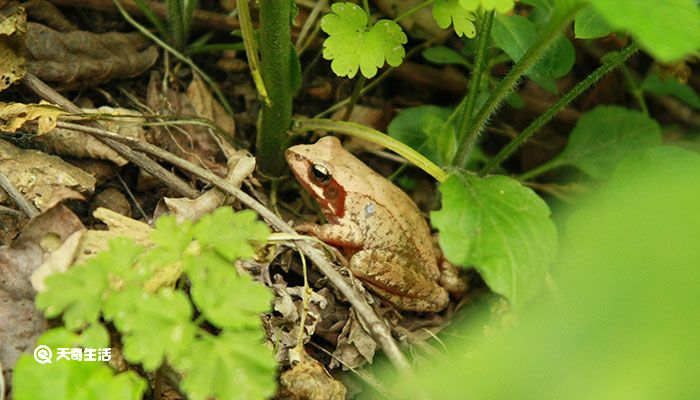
23 204
47 93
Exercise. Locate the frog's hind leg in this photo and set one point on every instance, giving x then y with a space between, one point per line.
395 278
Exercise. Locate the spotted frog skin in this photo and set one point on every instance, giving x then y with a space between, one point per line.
375 224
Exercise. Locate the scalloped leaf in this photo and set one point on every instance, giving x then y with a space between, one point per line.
352 45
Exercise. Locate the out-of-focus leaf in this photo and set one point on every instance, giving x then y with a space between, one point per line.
500 228
590 24
603 136
668 29
515 34
670 86
444 55
621 327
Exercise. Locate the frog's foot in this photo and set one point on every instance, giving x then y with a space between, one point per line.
451 280
398 280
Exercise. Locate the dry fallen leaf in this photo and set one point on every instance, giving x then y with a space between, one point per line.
308 380
42 179
13 26
78 59
13 116
121 121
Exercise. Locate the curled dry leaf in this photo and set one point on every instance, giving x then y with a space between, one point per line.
14 115
309 380
355 345
42 179
13 26
78 59
240 166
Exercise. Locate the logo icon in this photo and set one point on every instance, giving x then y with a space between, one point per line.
43 354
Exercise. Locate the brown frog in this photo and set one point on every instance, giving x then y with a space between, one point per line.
376 225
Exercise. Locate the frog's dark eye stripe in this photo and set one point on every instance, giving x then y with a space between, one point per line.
320 174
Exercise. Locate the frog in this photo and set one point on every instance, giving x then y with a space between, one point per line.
376 226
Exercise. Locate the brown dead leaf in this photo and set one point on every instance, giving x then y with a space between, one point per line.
207 107
14 115
42 179
196 143
355 345
79 59
308 380
13 26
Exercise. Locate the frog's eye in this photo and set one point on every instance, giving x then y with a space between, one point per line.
320 174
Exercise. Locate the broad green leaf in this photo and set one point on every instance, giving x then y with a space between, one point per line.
233 365
352 45
443 55
668 29
590 24
451 12
663 157
159 326
73 380
227 299
661 87
515 34
605 135
500 228
66 380
231 235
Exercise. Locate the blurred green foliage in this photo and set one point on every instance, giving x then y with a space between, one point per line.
624 323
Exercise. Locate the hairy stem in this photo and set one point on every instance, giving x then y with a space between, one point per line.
564 101
556 22
275 54
477 74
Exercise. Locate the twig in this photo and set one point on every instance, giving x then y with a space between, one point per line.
140 159
379 331
24 205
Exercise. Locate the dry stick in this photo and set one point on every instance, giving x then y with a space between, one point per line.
380 332
24 205
140 159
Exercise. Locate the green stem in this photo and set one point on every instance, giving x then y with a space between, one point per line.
251 48
355 96
374 136
476 76
556 22
572 94
541 169
414 10
635 90
276 118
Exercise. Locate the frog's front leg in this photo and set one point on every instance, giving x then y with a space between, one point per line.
395 278
344 233
451 280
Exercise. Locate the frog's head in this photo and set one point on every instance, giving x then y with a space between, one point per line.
322 171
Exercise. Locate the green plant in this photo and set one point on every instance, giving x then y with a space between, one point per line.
220 350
